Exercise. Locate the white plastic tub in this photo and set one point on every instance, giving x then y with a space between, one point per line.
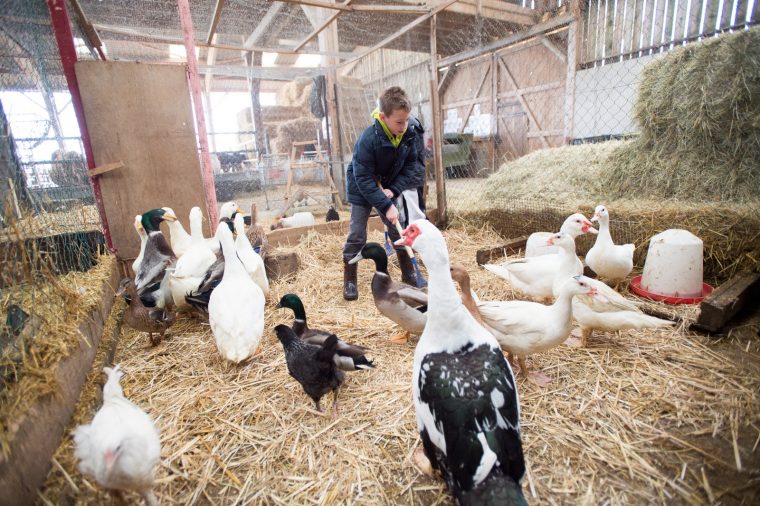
674 264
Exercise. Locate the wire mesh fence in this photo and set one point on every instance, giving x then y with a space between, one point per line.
50 231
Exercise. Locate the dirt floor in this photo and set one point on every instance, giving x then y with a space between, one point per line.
641 417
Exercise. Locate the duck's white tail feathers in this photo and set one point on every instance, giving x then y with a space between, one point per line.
499 270
645 321
112 388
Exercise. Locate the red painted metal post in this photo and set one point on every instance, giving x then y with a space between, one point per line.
200 120
65 39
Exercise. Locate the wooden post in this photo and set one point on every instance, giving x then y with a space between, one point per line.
574 44
200 119
494 110
253 59
65 40
435 104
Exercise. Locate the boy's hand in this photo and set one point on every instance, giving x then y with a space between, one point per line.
392 214
388 193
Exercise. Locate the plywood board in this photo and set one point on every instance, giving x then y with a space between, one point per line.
141 114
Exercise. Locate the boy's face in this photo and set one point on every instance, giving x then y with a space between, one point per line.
397 121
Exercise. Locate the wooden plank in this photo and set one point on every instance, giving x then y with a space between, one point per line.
494 109
214 21
141 114
102 169
318 3
477 92
538 29
553 49
572 64
497 10
435 106
264 24
695 15
280 264
487 255
523 102
618 8
292 236
319 29
402 31
727 300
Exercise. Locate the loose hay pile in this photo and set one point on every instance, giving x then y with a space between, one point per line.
59 305
638 418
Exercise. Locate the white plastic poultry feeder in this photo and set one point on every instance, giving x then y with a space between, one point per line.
673 267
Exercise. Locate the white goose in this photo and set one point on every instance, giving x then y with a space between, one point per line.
190 270
179 239
236 306
535 275
523 328
609 260
252 261
143 241
608 311
537 246
464 392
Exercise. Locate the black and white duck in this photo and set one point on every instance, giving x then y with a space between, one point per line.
464 391
151 281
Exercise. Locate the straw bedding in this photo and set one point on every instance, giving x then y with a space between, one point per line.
642 417
60 303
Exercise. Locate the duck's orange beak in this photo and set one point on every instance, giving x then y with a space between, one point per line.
588 227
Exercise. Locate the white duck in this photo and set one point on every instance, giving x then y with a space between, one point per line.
609 260
252 261
608 311
236 306
143 241
190 270
536 244
179 239
121 446
523 328
535 275
464 392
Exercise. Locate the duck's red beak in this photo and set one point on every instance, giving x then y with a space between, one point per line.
588 227
408 236
550 241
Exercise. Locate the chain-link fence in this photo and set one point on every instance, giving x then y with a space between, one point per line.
50 231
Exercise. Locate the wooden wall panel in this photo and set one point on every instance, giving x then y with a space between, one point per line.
141 114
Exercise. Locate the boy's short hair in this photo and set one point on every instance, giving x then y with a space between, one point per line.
394 98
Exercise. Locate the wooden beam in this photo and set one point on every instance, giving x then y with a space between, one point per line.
538 29
399 9
486 255
254 88
319 29
318 3
727 300
214 21
522 100
510 140
553 48
90 33
263 25
435 107
497 10
102 169
230 47
573 55
494 109
472 105
403 30
445 81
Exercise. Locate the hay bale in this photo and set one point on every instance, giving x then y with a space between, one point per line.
699 119
295 93
297 130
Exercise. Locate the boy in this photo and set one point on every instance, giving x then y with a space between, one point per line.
385 153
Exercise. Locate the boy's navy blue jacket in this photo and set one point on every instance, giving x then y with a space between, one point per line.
375 159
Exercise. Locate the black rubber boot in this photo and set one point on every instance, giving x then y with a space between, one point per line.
408 274
350 290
